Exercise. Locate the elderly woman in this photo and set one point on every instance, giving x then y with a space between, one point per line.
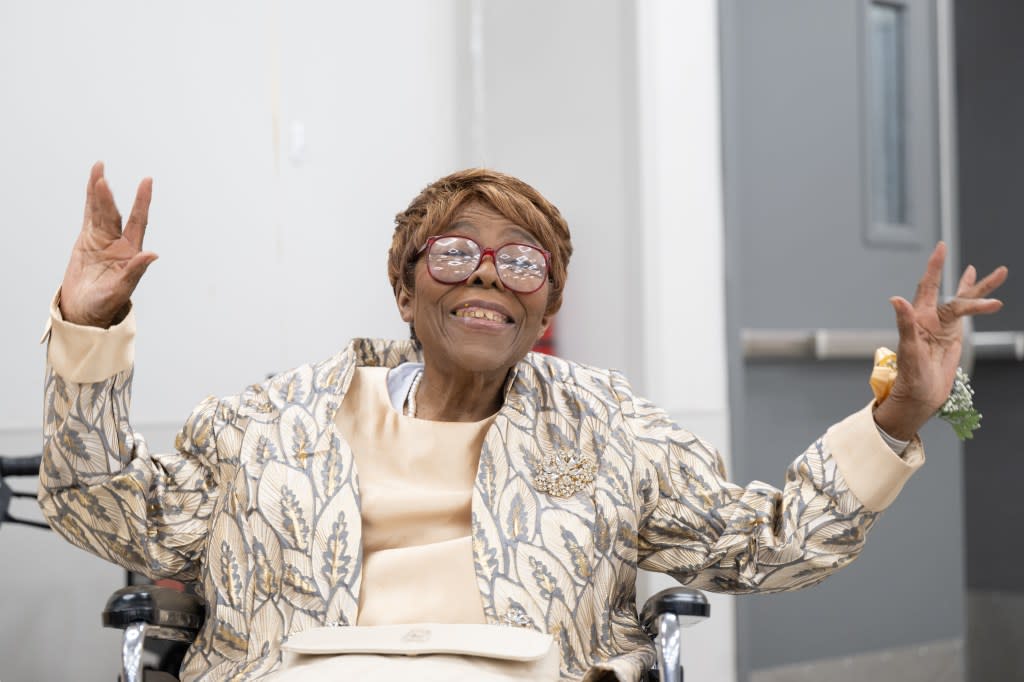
454 477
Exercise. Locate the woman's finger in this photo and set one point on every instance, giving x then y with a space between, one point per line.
966 280
105 217
136 268
904 318
95 173
953 310
986 286
135 228
927 293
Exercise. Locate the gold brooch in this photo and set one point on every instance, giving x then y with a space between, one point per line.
565 473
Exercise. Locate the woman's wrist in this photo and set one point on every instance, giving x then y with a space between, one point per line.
901 420
84 320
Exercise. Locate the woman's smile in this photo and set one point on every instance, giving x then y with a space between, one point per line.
483 316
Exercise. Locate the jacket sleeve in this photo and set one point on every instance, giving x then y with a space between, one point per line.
712 534
100 486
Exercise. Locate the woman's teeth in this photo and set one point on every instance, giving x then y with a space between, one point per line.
481 313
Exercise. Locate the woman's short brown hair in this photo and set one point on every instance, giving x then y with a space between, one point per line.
435 207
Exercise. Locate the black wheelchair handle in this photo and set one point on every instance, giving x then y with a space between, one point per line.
684 602
155 605
20 466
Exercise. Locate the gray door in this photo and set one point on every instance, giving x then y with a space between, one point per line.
832 205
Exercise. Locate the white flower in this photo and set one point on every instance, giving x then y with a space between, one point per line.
958 409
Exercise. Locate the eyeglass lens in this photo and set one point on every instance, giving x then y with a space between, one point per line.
520 267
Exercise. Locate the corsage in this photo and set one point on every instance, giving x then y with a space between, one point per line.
958 409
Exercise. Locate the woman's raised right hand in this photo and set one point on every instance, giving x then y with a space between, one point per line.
107 262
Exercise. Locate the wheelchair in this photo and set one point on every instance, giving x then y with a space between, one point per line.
173 617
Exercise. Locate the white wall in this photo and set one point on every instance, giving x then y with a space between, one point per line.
265 261
555 106
680 162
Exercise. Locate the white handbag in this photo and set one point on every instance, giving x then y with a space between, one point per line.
430 652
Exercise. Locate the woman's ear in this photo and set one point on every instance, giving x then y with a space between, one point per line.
545 322
406 304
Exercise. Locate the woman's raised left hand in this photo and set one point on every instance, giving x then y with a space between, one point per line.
931 338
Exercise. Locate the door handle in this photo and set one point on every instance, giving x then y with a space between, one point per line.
860 344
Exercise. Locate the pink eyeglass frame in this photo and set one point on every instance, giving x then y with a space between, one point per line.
484 251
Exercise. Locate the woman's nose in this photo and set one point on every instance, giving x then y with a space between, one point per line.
486 273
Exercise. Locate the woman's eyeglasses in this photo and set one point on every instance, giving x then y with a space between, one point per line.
452 259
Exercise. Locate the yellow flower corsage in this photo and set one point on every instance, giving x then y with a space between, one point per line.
958 409
883 374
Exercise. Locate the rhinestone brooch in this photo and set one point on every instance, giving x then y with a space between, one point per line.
565 473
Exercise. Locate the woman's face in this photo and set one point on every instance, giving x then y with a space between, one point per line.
449 318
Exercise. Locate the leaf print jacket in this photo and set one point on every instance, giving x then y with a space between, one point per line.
260 505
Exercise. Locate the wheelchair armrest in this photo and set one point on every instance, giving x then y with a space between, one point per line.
690 607
160 607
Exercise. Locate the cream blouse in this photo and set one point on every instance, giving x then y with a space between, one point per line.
416 483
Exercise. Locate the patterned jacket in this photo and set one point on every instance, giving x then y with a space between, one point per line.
580 482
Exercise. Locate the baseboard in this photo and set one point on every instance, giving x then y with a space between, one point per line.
938 661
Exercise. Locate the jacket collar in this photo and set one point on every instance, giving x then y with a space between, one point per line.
367 352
